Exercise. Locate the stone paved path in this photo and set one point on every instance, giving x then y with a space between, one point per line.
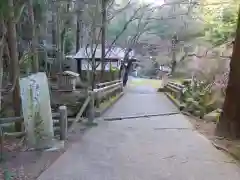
163 147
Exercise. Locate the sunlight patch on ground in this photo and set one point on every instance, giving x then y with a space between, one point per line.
153 2
155 83
177 80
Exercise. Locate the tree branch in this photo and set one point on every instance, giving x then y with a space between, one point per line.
132 18
20 8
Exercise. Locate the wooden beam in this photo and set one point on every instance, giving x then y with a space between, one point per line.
11 120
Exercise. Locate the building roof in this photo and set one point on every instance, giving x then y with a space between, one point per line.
115 53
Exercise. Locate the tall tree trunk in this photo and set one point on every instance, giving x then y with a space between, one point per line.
1 73
13 52
103 38
62 42
58 39
78 30
229 122
174 61
1 78
78 34
63 35
54 22
2 42
93 60
43 35
35 63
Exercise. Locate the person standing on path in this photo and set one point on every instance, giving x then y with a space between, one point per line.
123 74
126 67
125 78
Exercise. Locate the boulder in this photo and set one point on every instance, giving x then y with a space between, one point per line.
212 116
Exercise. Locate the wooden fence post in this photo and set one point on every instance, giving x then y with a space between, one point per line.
63 122
97 100
121 89
1 143
91 110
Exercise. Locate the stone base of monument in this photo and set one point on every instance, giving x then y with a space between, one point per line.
37 113
57 145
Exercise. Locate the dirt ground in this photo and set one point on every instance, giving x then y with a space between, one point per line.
20 164
205 128
231 147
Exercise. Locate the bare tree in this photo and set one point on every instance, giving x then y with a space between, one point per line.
95 30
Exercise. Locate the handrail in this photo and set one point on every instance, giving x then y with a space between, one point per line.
100 93
61 115
176 84
107 83
175 87
94 98
10 120
104 94
106 88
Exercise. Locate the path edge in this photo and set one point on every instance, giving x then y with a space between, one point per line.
174 101
99 112
232 152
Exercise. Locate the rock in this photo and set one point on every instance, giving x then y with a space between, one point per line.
212 116
197 113
58 145
161 90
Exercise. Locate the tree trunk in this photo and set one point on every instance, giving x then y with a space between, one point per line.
62 41
78 34
54 27
63 35
2 42
229 122
57 66
174 61
35 63
103 38
43 36
58 40
1 77
93 60
79 63
13 52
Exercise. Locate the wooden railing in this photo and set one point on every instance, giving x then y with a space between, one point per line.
175 89
175 92
107 90
9 120
60 122
101 85
63 124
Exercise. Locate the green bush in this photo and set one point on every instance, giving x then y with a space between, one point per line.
198 99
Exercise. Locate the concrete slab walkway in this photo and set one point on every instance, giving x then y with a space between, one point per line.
161 147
